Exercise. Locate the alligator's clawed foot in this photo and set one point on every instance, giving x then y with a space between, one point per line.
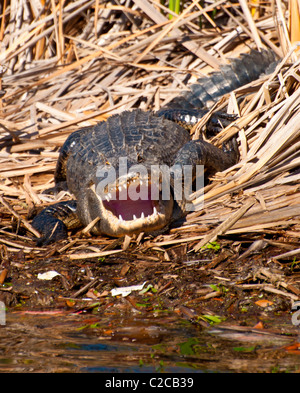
61 186
231 147
54 221
217 122
56 231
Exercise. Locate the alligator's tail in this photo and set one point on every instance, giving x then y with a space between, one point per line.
239 72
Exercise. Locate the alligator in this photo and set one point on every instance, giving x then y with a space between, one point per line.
148 139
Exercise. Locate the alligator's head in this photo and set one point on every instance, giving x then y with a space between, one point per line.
131 204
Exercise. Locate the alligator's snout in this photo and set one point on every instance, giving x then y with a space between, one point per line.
132 205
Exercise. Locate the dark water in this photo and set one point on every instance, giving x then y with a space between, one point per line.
80 343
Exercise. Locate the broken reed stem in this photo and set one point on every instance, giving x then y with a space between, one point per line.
252 25
16 215
287 254
93 254
90 226
227 224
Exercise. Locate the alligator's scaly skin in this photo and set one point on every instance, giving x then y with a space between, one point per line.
147 139
238 73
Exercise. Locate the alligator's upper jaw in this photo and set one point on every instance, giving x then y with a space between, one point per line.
122 212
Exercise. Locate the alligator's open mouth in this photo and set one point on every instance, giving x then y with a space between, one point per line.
131 202
132 206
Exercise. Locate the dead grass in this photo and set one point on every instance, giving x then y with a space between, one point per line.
71 64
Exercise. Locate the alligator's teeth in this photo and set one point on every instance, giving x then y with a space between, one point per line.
120 218
109 195
107 198
154 210
125 186
134 217
142 215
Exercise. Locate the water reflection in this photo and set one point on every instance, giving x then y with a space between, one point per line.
81 343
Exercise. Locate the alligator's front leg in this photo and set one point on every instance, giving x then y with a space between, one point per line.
54 222
200 152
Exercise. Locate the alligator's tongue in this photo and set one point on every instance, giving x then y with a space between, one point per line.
131 203
129 210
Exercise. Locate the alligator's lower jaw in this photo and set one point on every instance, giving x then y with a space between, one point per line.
113 226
